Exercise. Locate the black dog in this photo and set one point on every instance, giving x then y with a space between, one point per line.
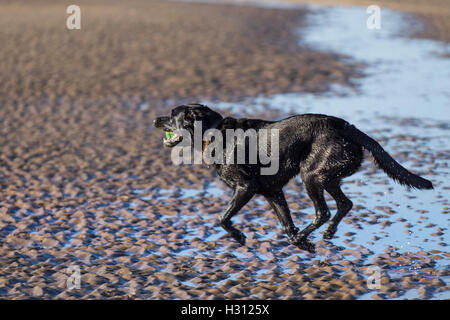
323 149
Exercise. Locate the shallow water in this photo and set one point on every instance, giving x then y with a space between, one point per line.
403 101
132 239
390 226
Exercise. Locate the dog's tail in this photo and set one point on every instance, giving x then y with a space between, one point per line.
392 168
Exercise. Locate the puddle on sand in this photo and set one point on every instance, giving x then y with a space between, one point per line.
212 189
170 246
404 103
405 77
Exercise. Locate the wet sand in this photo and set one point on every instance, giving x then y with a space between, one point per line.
157 50
85 180
409 118
430 19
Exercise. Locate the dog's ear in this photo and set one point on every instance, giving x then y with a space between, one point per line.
212 119
193 115
208 117
197 113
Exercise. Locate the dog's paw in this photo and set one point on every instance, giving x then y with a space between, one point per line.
304 244
238 236
307 246
329 233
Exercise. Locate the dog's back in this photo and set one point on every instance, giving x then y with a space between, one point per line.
322 149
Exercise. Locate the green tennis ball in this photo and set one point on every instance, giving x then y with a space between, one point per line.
169 135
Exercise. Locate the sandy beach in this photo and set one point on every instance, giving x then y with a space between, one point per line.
86 183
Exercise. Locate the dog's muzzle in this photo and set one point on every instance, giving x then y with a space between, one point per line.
174 140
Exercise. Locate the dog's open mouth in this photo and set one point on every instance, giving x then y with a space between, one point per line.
172 139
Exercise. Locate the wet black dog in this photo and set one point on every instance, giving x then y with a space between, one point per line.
322 149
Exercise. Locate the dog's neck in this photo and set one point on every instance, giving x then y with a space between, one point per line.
206 142
216 124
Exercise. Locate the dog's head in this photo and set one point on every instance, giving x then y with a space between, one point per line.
185 117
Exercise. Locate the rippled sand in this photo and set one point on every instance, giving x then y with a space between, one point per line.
86 183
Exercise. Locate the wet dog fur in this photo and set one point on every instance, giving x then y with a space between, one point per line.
321 149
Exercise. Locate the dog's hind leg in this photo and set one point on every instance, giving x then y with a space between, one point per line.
242 195
315 192
344 205
278 203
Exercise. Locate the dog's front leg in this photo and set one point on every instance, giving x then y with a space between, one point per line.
242 195
278 203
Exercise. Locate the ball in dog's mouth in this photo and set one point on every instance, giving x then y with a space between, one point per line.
171 139
169 135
